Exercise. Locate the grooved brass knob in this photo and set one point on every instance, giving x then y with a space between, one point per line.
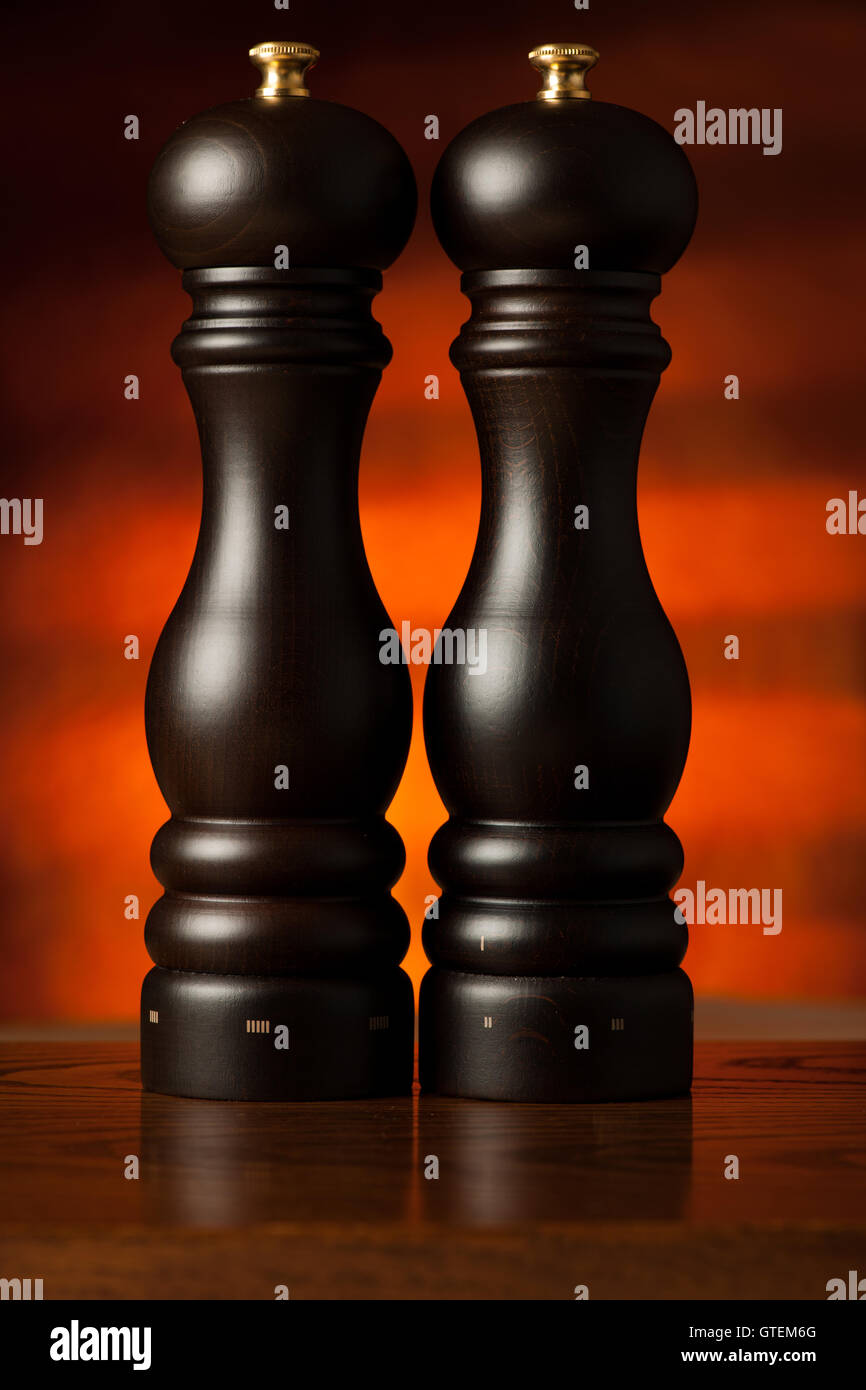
564 67
283 66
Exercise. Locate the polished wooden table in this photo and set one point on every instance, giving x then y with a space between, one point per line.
332 1200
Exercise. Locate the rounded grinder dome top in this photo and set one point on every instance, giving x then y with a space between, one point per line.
522 187
282 169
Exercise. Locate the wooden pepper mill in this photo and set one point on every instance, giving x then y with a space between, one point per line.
556 947
277 735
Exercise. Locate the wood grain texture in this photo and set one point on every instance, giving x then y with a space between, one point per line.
326 181
530 1200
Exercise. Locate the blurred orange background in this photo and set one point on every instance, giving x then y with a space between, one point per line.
732 494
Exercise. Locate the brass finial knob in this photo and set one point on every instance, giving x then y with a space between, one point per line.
564 67
283 66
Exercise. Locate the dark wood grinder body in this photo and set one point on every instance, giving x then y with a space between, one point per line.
556 948
276 734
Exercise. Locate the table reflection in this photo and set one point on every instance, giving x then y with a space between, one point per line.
419 1158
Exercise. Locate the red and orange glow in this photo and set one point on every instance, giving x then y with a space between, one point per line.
732 494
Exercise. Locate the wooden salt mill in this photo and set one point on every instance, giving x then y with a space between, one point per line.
277 735
556 947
